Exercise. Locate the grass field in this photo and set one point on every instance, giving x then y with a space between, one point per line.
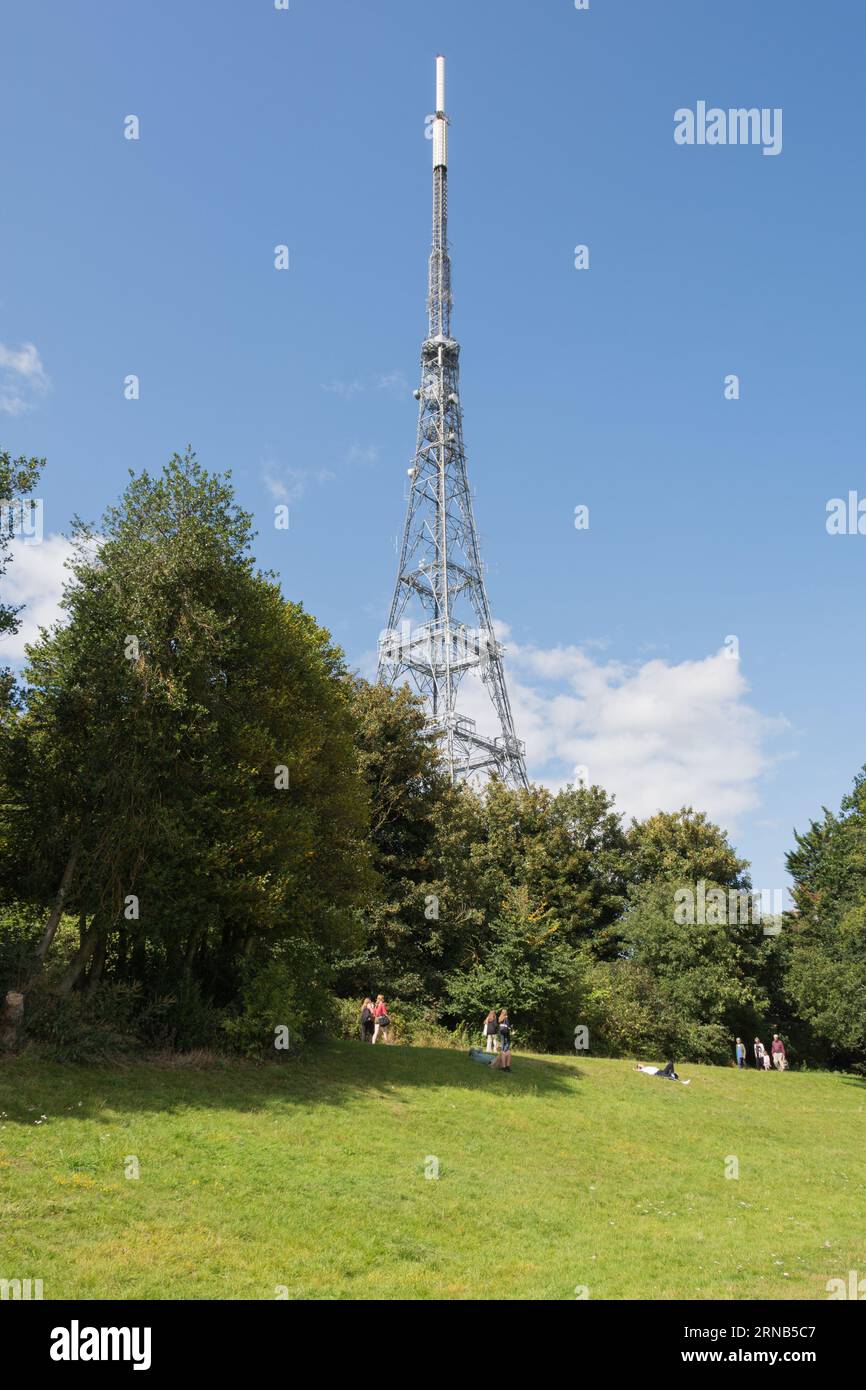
310 1176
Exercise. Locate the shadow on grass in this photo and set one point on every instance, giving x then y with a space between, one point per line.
333 1073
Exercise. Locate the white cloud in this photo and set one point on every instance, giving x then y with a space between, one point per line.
22 378
35 577
383 381
658 735
366 454
289 484
344 389
387 381
284 484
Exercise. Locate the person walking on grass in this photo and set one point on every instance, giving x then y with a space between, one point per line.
760 1054
380 1019
366 1026
777 1047
491 1032
740 1051
504 1032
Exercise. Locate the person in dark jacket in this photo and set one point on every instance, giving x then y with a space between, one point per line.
367 1025
504 1031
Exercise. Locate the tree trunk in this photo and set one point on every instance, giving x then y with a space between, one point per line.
96 967
121 952
191 947
57 910
10 1020
75 969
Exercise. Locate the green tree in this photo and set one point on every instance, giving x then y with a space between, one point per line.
18 478
567 848
183 773
700 980
408 924
449 858
685 845
529 966
825 937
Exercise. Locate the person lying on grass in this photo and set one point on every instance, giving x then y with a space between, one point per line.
667 1072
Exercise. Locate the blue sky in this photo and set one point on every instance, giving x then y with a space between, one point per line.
601 387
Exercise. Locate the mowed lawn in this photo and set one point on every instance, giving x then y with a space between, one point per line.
308 1178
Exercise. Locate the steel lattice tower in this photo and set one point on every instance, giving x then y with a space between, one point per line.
440 576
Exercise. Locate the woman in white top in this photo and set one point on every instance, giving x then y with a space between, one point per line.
491 1032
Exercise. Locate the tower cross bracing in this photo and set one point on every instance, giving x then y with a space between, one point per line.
440 627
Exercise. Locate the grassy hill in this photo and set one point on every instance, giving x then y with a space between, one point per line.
311 1176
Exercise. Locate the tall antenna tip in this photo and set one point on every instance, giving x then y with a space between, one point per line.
440 82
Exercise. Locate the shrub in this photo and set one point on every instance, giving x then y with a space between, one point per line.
20 932
347 1018
70 1028
624 1013
19 937
291 992
181 1021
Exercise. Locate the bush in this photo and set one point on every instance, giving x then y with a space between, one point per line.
290 993
630 1014
182 1020
624 1013
20 933
347 1018
70 1028
19 937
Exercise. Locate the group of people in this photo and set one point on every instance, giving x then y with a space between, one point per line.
762 1060
497 1032
375 1023
762 1056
